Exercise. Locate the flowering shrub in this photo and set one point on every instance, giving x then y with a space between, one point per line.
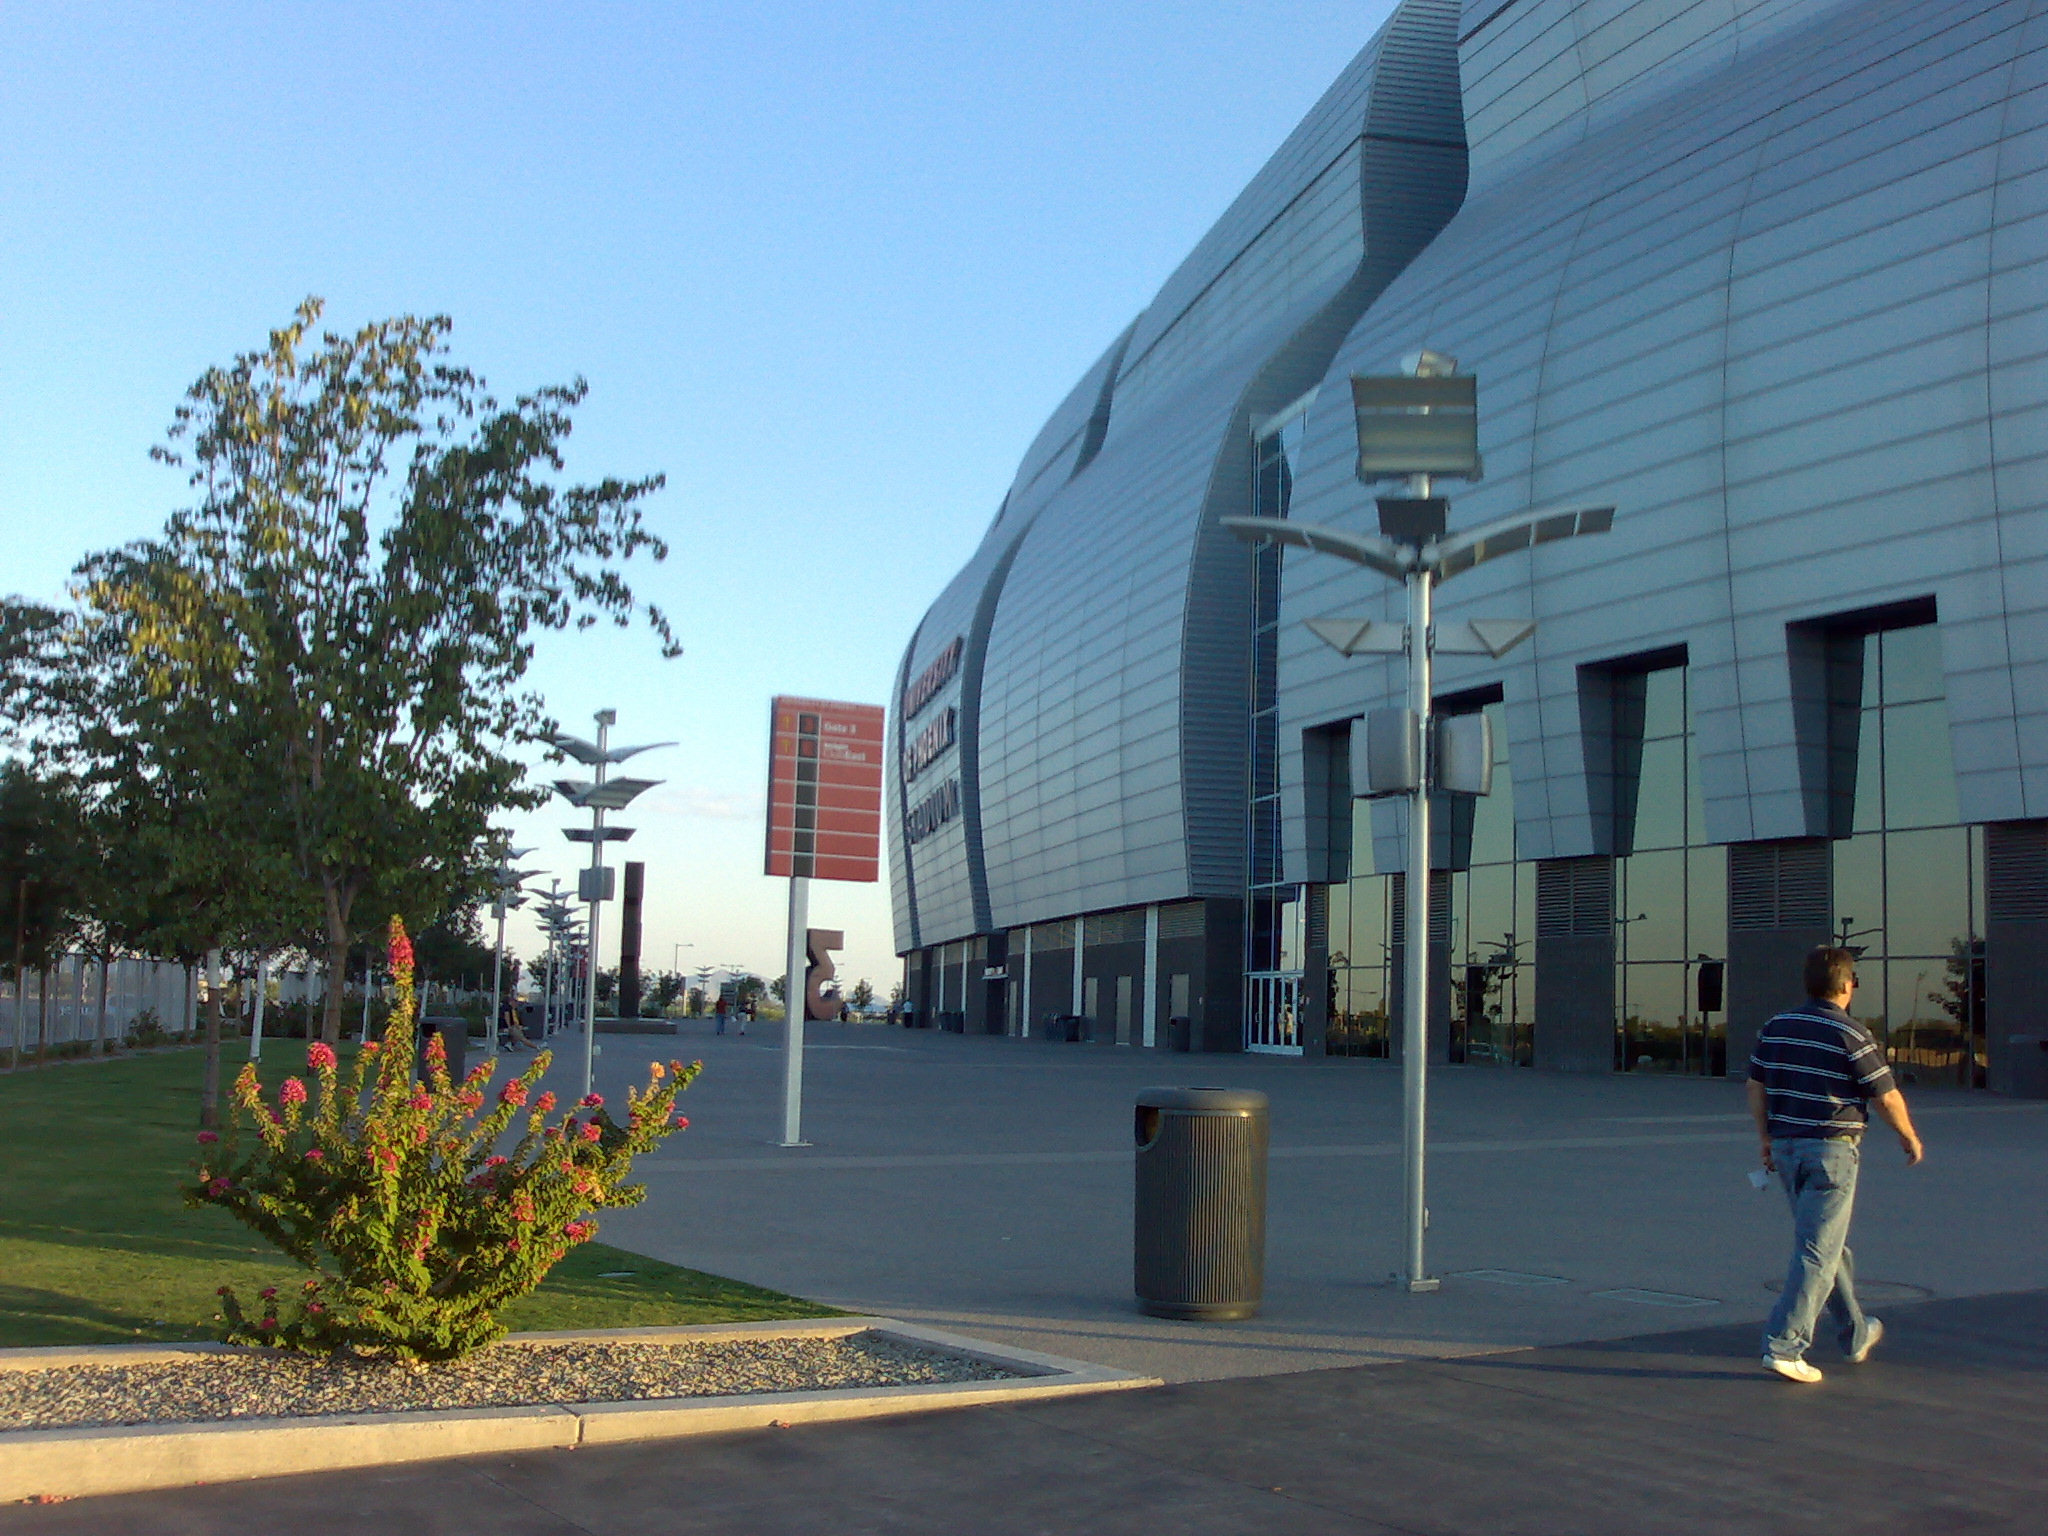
396 1195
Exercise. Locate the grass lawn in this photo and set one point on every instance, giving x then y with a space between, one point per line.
97 1248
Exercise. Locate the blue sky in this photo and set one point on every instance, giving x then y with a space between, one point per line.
827 267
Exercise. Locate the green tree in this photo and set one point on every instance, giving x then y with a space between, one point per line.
43 864
375 543
863 993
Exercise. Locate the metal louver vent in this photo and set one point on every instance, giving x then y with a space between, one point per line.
1439 908
1125 927
1778 886
2016 872
1575 897
1046 936
1183 920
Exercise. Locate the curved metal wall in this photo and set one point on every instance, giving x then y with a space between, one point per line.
1782 297
1104 621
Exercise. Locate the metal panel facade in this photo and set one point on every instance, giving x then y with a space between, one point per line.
1786 312
1101 704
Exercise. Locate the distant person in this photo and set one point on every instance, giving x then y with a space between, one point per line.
719 1012
746 1014
512 1028
1814 1078
845 1014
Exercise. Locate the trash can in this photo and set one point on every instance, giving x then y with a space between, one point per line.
1064 1027
1199 1248
454 1032
1180 1032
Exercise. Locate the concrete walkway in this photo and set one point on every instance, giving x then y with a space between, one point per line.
984 1185
1672 1435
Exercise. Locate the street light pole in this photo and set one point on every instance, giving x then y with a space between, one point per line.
1414 427
506 881
605 720
1415 1023
598 796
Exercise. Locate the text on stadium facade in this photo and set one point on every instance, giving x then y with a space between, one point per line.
932 678
932 812
931 743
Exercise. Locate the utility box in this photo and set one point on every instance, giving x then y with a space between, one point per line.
1199 1246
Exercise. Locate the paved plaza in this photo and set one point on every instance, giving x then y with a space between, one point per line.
984 1185
1588 1368
1670 1435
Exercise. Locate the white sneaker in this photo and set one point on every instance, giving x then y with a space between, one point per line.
1873 1336
1791 1370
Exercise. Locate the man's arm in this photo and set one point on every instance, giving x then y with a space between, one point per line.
1760 1112
1891 1108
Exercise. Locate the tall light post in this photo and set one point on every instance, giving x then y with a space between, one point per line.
558 921
594 884
506 894
1419 426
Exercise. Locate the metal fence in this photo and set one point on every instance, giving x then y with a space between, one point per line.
63 1005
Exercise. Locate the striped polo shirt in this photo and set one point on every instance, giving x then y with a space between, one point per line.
1820 1069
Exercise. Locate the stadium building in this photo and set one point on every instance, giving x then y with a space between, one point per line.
1768 276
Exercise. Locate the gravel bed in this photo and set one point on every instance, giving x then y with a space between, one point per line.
262 1385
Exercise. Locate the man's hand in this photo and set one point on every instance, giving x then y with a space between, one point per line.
1892 1107
1759 1111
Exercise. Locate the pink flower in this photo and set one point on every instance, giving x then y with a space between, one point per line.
224 1290
320 1057
292 1092
437 1048
219 1187
314 1306
420 1101
511 1245
591 1130
545 1103
371 1047
576 1231
495 1160
682 1122
513 1093
401 952
268 1293
315 1155
267 1324
591 1101
207 1138
420 1135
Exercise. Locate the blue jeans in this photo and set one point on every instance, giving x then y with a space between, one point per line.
1819 1175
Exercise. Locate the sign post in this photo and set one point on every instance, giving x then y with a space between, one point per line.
824 823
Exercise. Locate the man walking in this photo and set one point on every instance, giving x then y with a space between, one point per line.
1813 1079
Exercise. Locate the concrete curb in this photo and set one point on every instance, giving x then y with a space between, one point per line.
69 1463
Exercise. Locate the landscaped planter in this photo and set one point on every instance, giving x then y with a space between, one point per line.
884 1367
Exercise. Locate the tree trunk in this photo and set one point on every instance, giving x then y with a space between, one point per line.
209 1090
337 966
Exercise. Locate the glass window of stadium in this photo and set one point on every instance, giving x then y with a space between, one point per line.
1908 880
1275 915
1670 887
1483 911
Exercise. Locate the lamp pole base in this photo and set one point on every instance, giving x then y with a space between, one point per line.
1417 1287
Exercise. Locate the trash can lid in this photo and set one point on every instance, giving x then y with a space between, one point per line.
1214 1100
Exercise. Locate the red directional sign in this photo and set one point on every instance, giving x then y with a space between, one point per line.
825 790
